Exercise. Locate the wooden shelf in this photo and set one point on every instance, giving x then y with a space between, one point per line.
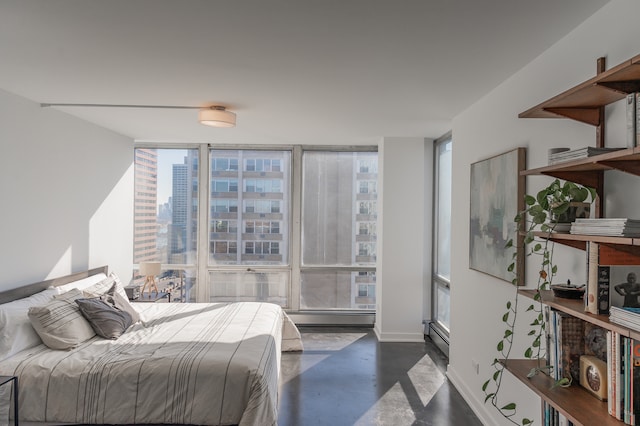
575 308
623 247
578 405
583 102
581 238
588 171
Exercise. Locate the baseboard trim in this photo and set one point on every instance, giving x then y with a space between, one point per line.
478 408
398 337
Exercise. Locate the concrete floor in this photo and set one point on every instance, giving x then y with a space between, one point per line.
346 377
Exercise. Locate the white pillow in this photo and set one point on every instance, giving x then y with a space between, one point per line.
105 286
82 284
16 332
60 323
122 303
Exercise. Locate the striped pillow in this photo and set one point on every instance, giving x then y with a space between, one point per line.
60 323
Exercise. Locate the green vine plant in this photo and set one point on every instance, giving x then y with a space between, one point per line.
537 221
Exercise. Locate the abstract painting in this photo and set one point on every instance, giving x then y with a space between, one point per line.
497 195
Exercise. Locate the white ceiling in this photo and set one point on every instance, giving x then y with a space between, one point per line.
294 71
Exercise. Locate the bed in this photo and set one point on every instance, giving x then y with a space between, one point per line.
192 363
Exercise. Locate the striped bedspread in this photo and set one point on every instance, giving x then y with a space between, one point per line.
199 363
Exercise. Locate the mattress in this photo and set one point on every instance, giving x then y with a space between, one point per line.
193 363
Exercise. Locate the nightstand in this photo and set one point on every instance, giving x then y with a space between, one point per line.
133 291
4 381
154 297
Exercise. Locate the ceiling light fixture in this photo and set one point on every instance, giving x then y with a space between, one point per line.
215 116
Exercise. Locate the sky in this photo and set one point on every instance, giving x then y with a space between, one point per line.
166 159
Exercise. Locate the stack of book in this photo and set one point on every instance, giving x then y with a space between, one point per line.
617 227
575 154
623 378
625 316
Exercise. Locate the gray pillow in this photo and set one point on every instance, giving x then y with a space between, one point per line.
59 323
107 321
115 298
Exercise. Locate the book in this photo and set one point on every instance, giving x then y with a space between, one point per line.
635 378
604 279
591 292
596 300
609 373
572 343
637 140
632 111
627 317
622 227
575 154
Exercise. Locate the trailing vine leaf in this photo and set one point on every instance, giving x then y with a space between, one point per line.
539 211
565 382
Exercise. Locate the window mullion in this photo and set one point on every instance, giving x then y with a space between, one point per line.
296 227
202 292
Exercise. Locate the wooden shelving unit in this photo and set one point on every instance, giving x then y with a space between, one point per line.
585 103
575 308
574 402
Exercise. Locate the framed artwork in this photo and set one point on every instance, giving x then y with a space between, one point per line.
497 195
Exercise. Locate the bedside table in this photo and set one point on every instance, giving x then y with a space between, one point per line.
133 291
4 380
154 297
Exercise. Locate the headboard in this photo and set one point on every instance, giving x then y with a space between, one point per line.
29 289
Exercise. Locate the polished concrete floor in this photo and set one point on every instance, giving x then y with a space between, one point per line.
346 377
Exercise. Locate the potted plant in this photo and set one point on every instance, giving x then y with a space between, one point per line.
543 213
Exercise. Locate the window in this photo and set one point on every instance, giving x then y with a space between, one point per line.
442 234
224 185
165 217
263 234
338 239
242 217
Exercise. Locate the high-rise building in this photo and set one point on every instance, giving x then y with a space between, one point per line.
184 210
248 207
339 230
145 206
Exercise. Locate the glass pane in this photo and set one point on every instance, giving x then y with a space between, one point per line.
339 214
339 208
166 206
242 286
443 211
442 306
249 207
342 290
174 285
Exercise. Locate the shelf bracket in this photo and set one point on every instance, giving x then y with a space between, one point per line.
584 115
590 179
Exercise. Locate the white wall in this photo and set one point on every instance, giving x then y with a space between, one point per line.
403 224
67 195
491 127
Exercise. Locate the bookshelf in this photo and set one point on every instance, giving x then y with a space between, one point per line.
574 402
585 103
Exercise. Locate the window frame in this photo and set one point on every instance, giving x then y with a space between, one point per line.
439 281
294 266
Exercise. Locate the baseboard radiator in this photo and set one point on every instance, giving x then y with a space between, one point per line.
439 337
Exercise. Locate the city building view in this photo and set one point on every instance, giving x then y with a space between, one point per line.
249 226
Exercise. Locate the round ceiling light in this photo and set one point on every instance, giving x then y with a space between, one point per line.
217 116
